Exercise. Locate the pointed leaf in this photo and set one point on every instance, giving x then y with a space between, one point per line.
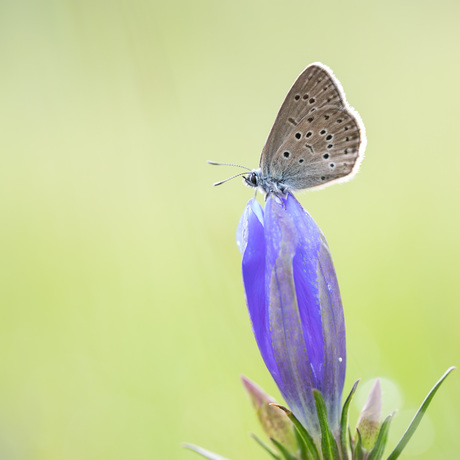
358 453
350 440
203 452
310 445
344 422
302 447
284 452
265 447
418 417
377 451
328 444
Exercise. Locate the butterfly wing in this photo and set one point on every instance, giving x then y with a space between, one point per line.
314 88
326 146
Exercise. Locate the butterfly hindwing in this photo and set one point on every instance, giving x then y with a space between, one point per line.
324 146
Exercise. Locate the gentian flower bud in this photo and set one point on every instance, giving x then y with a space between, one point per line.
369 419
274 422
294 304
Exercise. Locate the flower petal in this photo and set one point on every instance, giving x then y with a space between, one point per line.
251 235
333 323
241 231
320 308
295 377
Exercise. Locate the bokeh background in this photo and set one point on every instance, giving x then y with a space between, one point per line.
123 325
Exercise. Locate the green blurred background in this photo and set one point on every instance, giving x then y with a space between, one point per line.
123 325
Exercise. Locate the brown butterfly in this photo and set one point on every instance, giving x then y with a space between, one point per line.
317 139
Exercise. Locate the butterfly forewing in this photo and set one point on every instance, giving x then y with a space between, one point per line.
314 88
325 146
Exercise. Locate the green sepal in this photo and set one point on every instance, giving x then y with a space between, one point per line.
302 447
203 452
265 447
358 453
283 451
309 444
417 418
350 441
328 443
379 447
344 433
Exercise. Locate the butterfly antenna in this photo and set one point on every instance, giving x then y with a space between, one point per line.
215 163
226 180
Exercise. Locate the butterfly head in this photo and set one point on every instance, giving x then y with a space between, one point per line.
253 179
266 184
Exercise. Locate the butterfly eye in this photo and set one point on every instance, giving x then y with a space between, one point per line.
253 179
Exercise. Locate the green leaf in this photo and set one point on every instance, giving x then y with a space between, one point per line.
328 444
302 447
203 452
418 416
350 440
344 423
309 444
358 453
377 451
265 447
284 452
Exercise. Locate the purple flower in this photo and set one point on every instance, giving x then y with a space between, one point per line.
294 304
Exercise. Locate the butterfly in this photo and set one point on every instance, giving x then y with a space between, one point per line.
317 138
